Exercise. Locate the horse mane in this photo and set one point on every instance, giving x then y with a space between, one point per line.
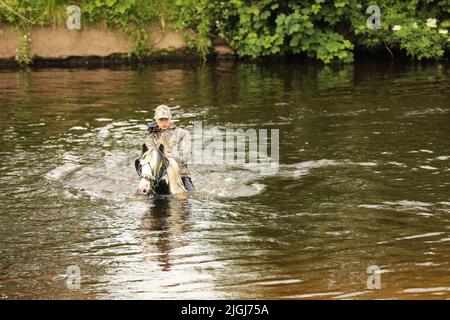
175 182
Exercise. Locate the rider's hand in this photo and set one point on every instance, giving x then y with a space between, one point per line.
152 127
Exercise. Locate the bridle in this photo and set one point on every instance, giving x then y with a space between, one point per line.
161 171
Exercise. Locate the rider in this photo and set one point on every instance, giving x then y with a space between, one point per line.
176 141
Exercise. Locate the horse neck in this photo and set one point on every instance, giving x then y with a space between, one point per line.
174 178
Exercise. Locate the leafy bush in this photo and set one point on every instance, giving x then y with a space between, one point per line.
326 30
404 28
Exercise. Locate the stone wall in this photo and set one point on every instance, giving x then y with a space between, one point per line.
55 43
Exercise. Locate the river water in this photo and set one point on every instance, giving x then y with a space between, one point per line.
363 182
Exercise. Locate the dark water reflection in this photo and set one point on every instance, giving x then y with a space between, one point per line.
363 180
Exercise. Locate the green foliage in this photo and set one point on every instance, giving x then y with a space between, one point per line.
268 27
323 29
418 42
195 14
22 50
404 28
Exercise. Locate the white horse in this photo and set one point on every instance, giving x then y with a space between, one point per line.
159 175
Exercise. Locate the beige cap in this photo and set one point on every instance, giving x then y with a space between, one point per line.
163 111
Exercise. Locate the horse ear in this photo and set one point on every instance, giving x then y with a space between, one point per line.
144 148
137 165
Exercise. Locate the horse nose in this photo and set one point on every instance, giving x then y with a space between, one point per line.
144 187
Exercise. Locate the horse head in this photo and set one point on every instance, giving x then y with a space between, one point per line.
158 174
151 168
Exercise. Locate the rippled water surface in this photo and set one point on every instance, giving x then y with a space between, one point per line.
364 179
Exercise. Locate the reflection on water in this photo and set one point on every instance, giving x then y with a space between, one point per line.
363 180
163 227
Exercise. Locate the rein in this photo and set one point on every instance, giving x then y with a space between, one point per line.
162 171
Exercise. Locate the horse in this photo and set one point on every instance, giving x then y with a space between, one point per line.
159 175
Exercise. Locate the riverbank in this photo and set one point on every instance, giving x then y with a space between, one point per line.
59 46
97 46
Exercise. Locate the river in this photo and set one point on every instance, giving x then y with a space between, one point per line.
363 184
